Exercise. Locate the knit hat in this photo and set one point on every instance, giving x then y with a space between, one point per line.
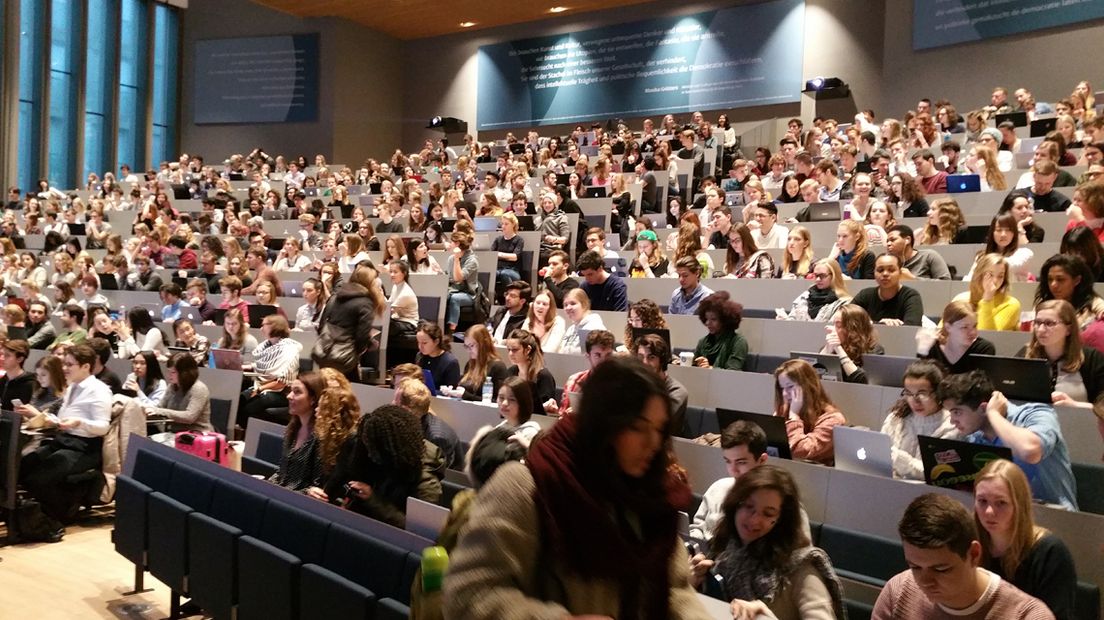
992 132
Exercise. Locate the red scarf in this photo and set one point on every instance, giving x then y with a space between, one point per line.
582 525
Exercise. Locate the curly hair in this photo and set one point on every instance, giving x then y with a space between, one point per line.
729 312
861 337
335 420
391 437
651 317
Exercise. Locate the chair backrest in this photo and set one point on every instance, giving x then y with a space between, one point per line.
1090 480
9 458
220 415
270 447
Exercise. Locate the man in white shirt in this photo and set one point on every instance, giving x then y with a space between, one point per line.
83 419
769 234
743 448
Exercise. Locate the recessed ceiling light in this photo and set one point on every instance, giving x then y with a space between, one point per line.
557 9
467 24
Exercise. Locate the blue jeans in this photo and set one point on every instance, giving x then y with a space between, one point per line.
505 276
455 301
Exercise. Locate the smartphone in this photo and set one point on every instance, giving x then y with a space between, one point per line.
16 402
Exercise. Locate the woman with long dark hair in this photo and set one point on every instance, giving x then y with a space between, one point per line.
187 402
385 461
145 381
322 420
552 537
761 551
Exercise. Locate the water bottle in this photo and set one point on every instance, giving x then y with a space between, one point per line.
488 390
435 562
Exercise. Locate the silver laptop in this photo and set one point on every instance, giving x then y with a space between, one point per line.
863 451
425 519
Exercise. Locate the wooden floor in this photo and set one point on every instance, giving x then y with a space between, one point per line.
79 577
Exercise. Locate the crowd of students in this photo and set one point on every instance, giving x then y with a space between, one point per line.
617 417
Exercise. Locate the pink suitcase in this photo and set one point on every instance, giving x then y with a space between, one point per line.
207 445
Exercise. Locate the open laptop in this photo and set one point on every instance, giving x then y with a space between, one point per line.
429 382
963 183
486 224
257 313
595 192
1019 119
824 212
827 365
191 313
886 370
425 519
1020 379
735 199
863 451
954 464
778 441
226 359
1042 126
972 234
526 223
640 332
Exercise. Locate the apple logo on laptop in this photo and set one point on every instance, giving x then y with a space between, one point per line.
861 454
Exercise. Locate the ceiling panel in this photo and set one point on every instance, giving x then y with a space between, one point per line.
418 19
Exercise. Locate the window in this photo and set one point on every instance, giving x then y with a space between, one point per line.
166 36
64 42
32 27
99 85
132 85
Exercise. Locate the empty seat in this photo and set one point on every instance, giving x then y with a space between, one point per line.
131 517
376 565
1090 481
389 609
862 557
322 589
189 491
212 545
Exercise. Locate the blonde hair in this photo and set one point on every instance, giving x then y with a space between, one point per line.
1024 533
983 264
1073 355
804 264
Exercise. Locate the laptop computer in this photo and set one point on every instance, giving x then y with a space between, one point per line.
425 519
1021 379
824 212
1019 119
258 312
17 333
563 179
863 451
595 192
76 230
486 224
427 377
827 365
972 234
640 332
886 370
778 441
191 313
1042 126
526 223
963 183
616 265
226 359
954 464
735 199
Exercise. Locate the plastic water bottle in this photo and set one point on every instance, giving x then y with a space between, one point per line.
488 390
435 562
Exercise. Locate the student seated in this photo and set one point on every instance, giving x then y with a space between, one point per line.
1026 555
434 356
918 412
384 462
275 364
849 336
799 397
654 352
945 580
599 347
527 359
82 421
821 300
187 402
1030 430
743 448
890 303
414 397
515 405
483 363
1079 370
956 339
767 562
722 346
322 420
145 383
16 383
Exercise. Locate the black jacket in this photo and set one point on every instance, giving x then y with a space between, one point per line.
352 313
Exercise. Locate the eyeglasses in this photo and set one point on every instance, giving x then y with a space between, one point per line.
1047 323
821 276
922 395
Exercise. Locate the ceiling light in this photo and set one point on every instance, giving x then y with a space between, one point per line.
467 24
557 9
